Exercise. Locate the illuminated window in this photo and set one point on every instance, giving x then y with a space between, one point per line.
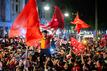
16 8
17 0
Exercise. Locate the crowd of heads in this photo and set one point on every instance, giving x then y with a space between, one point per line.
15 55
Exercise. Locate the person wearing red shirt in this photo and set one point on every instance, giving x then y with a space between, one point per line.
45 46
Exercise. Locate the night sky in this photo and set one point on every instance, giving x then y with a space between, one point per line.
102 14
86 10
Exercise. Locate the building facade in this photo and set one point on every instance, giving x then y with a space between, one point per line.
9 9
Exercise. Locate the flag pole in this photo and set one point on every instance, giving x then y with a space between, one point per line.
96 17
26 52
96 20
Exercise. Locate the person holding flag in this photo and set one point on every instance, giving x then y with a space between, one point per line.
45 44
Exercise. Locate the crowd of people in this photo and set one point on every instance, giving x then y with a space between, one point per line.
15 55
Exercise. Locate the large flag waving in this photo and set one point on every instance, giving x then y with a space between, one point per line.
18 28
27 24
80 24
33 26
57 19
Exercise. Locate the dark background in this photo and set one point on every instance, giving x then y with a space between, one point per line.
86 10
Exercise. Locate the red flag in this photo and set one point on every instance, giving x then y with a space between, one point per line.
57 19
27 23
80 24
74 42
43 26
19 26
77 46
33 26
81 47
102 42
78 27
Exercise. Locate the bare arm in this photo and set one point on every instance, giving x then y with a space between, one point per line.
82 59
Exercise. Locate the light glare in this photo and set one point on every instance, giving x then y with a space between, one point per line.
46 8
66 14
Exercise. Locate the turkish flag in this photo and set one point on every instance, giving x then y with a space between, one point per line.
78 27
81 47
27 24
57 19
33 34
80 24
74 42
77 46
19 26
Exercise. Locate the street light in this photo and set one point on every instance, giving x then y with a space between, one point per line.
66 14
46 8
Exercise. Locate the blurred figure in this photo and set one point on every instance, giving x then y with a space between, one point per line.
45 47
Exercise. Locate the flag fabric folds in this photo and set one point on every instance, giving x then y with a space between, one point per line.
80 24
74 42
33 33
27 20
77 46
19 26
57 19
